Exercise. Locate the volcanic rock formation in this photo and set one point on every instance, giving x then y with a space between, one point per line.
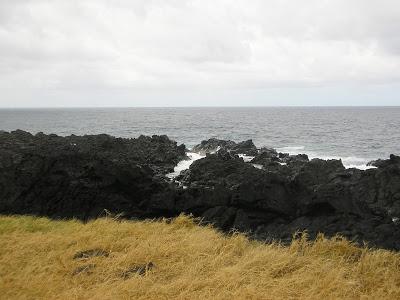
83 176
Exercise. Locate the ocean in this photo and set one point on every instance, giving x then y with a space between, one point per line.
354 134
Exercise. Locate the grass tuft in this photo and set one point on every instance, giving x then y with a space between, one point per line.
119 259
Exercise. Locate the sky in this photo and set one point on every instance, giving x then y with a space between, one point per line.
57 53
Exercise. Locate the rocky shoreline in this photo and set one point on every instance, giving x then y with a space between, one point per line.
270 197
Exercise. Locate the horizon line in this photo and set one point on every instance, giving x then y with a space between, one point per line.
200 106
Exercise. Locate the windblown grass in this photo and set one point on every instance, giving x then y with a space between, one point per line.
190 262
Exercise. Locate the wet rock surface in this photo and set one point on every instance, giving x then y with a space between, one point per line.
81 176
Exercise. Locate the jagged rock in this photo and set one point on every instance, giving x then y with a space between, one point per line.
213 145
239 184
270 151
83 176
220 216
381 163
317 196
265 158
317 172
245 147
295 159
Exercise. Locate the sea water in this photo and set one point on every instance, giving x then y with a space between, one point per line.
354 134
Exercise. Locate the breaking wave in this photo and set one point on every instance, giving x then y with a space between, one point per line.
348 161
184 164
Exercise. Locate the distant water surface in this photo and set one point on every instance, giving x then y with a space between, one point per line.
354 134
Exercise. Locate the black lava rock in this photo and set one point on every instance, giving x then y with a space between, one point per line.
82 176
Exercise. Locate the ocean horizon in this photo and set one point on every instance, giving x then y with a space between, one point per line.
355 134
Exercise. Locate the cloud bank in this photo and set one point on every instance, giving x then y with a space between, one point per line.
74 52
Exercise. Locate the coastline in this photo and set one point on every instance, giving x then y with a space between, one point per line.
269 195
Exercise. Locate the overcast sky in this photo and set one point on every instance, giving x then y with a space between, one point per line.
195 53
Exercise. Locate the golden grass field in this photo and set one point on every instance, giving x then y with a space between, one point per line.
190 262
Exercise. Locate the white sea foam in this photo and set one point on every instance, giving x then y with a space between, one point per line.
292 149
216 150
356 162
257 166
348 162
246 158
184 164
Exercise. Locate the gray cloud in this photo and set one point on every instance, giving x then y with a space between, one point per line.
142 45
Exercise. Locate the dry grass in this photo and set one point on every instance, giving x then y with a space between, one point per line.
190 262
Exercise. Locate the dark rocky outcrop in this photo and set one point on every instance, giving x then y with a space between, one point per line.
83 176
212 145
393 160
265 156
317 196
